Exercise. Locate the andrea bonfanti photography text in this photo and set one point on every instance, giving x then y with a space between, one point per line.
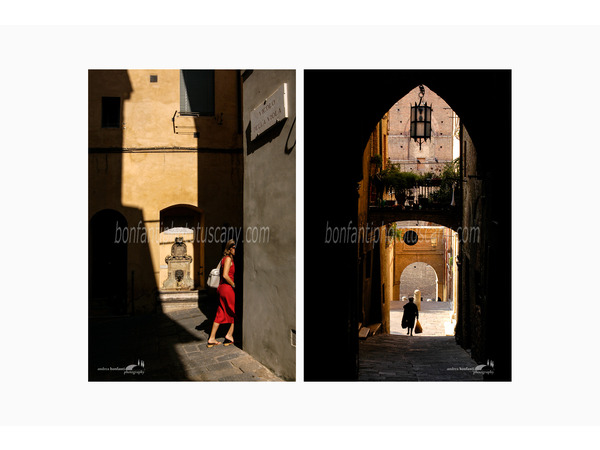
131 369
484 369
141 234
371 233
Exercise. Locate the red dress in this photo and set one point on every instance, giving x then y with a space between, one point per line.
226 309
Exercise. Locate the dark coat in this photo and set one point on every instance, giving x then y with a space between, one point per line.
410 313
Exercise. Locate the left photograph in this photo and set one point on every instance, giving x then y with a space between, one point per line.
191 225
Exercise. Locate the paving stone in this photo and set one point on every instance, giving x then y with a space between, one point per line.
264 374
225 365
229 357
240 377
191 348
422 358
172 348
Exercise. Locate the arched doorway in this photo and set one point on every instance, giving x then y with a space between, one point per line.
421 276
186 221
107 264
436 317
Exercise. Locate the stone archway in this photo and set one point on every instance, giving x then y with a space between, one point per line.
107 264
430 249
421 276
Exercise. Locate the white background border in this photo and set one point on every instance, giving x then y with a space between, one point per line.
46 53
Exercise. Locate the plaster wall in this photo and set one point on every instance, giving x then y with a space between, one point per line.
270 201
148 110
144 167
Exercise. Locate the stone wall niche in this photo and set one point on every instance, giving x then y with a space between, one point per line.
177 289
178 267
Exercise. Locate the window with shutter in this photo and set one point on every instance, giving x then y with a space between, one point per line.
197 92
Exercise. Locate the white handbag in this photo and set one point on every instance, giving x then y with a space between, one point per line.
214 277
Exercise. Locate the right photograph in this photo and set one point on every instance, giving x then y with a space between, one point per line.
407 251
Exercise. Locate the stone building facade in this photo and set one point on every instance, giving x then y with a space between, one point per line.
435 247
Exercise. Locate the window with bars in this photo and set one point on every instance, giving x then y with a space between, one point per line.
197 92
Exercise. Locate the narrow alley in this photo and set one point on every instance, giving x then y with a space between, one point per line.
429 356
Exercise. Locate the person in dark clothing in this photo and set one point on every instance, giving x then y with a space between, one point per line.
411 312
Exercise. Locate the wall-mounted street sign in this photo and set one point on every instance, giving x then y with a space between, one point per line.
268 113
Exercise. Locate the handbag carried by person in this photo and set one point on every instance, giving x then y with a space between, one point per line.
214 277
418 327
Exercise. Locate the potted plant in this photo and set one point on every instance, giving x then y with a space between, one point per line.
448 178
400 182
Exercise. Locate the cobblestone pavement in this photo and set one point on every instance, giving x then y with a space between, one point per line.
166 347
430 356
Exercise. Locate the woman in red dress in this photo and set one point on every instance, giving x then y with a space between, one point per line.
226 309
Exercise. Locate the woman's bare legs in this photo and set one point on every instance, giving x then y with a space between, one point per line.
212 339
229 335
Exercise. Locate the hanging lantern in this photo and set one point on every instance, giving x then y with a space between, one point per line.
420 119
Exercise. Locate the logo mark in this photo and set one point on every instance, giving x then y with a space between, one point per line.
485 368
135 369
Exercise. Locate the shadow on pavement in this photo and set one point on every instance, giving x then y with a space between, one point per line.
147 342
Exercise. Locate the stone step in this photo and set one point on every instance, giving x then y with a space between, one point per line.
374 328
364 332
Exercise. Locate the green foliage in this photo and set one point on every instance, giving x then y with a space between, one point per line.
393 233
393 178
449 176
377 160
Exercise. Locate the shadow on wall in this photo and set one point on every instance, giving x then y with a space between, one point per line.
121 275
125 324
